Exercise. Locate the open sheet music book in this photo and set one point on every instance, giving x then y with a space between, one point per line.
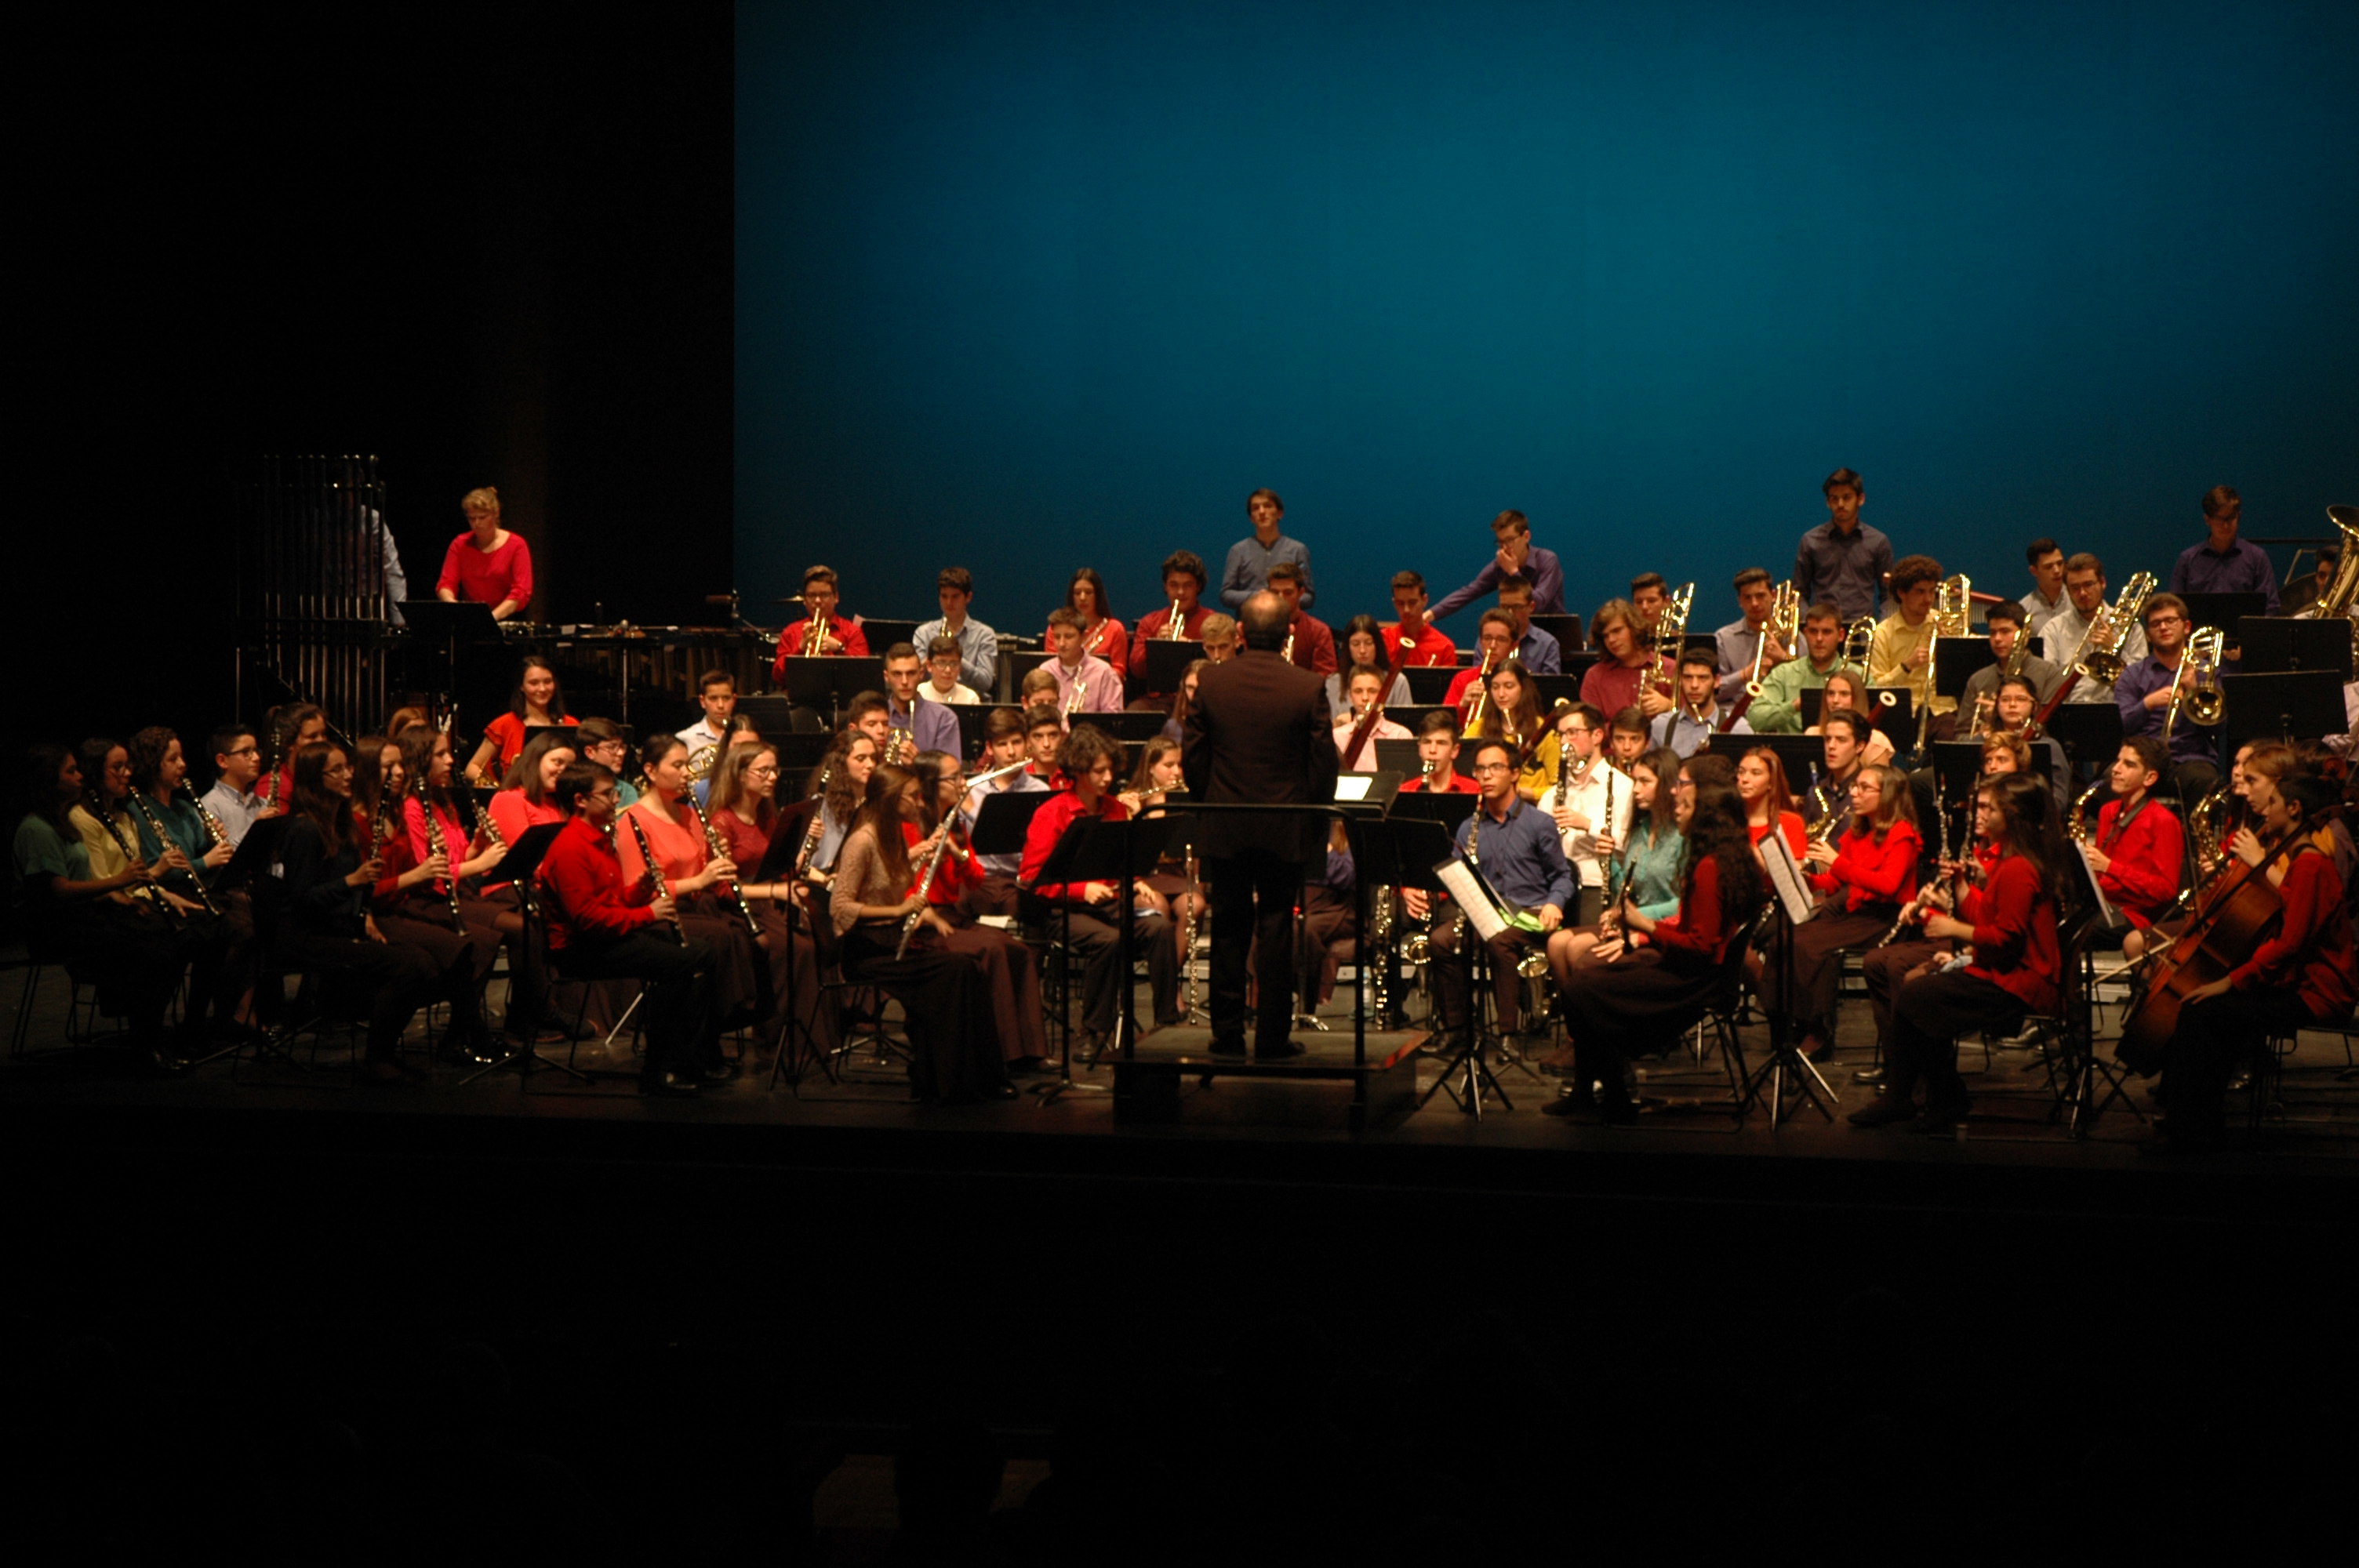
1786 876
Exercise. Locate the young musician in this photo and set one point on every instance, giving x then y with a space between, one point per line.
1902 652
716 694
2065 637
1656 973
1494 644
978 645
2303 592
536 704
2145 691
2017 964
1629 738
1184 577
1591 807
464 957
1539 652
527 793
601 741
108 821
1103 636
2223 563
942 682
1177 723
1846 692
663 827
845 769
1513 716
1514 845
992 888
1011 973
828 631
1768 803
486 565
1643 869
1086 683
1843 559
1366 686
1363 645
2138 850
2300 978
1516 554
1251 560
1413 639
1044 736
1863 881
295 725
430 810
1311 640
1779 709
1649 596
2047 599
1844 752
1220 637
1629 674
605 925
1437 756
237 765
1689 727
1737 645
161 821
924 726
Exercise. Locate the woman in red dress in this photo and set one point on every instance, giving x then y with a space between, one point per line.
660 825
537 704
1768 803
1101 633
486 565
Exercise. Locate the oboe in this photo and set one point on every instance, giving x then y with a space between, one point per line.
156 826
439 843
713 847
647 859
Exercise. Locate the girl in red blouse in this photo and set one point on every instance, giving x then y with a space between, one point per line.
2302 977
1649 982
486 565
1768 803
743 811
2015 966
700 885
484 923
1863 881
1101 633
537 704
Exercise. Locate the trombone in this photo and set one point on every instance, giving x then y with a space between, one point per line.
2198 686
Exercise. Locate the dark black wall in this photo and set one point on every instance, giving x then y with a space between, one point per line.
488 249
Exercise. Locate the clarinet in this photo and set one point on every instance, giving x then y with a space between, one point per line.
647 858
491 831
439 843
818 823
156 826
212 824
713 847
925 885
97 807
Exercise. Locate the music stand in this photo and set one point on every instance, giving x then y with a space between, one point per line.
1133 727
2301 705
1897 723
2276 644
521 864
1429 685
1447 810
1796 903
2089 730
1565 629
1956 661
251 862
1804 757
1552 689
447 627
882 634
1390 854
2222 610
1166 664
1485 918
1397 756
975 722
1098 849
827 681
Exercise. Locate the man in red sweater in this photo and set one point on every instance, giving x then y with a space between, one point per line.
2137 853
602 928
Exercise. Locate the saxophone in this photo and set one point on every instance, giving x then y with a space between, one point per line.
2077 824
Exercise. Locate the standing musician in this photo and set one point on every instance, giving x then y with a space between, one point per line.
704 888
1253 560
989 887
1843 559
1690 726
1437 756
978 645
2223 563
1737 645
1512 716
1086 683
1540 653
1629 674
1516 554
1779 709
924 726
2144 695
2010 644
1643 869
1312 640
1846 692
1363 645
1591 804
2047 599
1087 761
1366 686
1902 652
1516 848
821 630
1494 644
486 565
1184 578
2016 965
1011 973
2065 639
1655 974
1413 639
2300 978
536 704
603 925
1863 881
1103 636
237 765
716 694
2140 849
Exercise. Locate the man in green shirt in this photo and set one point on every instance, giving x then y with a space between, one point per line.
1779 709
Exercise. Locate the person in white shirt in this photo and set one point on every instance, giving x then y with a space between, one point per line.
978 645
2064 639
2046 600
1365 685
716 693
942 684
238 757
1595 795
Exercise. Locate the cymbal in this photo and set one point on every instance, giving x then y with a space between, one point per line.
790 599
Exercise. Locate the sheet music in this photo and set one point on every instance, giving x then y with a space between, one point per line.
1474 896
1786 876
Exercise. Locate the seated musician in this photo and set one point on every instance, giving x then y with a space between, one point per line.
1413 639
1103 638
1363 645
991 889
663 833
2016 968
1083 911
537 703
1844 754
2145 691
601 741
1630 736
2139 850
1514 845
2066 635
1039 689
162 820
1643 869
716 694
1655 976
1649 596
978 645
1902 652
2004 620
1366 686
466 957
527 793
1779 709
1329 929
286 730
1846 691
486 565
1011 973
1310 641
1690 726
1513 716
1591 807
844 773
1539 652
1437 757
1863 880
1175 725
1044 736
604 926
237 765
924 726
942 682
2300 978
821 630
1184 576
1768 803
1220 637
1516 554
1086 683
1736 645
2017 708
744 812
1629 674
1494 644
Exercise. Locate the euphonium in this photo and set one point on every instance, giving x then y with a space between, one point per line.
2341 595
1953 617
2099 656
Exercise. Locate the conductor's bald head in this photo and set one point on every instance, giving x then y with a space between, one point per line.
1264 618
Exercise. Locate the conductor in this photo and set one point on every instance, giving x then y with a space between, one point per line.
1258 734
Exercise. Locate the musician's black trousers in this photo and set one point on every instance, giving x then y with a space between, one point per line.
676 1000
2213 1036
1928 1018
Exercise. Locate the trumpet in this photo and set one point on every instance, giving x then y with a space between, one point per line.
1287 652
814 634
1176 628
2198 687
1785 622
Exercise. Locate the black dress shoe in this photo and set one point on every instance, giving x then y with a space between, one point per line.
670 1087
1226 1047
1570 1105
1883 1112
1618 1113
1287 1052
1002 1091
722 1073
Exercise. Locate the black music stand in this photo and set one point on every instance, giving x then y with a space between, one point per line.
448 627
1553 689
522 863
2276 644
1475 951
1429 685
1396 757
1897 722
2087 731
974 721
2301 705
882 634
1392 854
825 682
1166 664
1097 849
1565 629
786 836
1804 757
2222 610
1790 891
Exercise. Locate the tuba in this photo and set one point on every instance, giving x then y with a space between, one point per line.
2341 595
